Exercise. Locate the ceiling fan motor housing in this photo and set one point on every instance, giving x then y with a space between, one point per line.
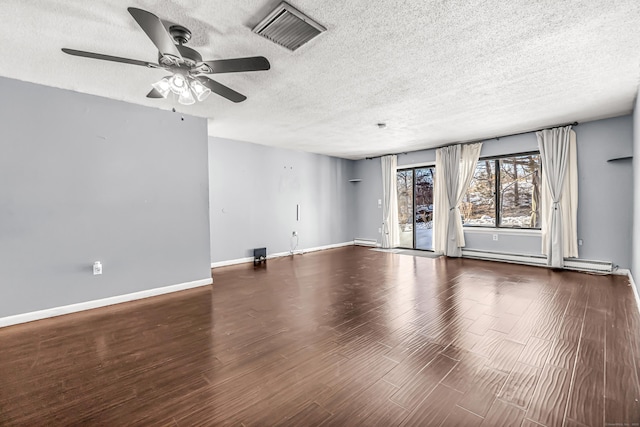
190 58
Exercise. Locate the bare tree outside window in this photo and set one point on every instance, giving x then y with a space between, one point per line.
504 192
478 205
517 189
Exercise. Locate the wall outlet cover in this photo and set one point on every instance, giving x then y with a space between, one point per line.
97 268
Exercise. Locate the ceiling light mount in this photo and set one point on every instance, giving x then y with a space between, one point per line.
382 125
180 34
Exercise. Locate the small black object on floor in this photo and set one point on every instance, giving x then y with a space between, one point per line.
259 256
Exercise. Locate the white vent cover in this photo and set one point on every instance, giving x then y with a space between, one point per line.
288 27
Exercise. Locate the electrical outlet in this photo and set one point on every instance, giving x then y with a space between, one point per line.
379 230
294 234
579 242
495 237
97 268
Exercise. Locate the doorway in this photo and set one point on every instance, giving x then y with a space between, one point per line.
415 207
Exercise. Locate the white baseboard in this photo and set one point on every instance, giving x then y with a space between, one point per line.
539 260
88 305
635 290
281 254
360 241
626 272
621 272
231 262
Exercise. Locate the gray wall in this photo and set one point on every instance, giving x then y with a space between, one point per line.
605 206
254 190
635 266
368 193
605 190
84 178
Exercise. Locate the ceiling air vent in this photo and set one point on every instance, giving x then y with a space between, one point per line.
288 27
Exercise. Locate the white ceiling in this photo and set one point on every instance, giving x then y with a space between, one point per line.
434 71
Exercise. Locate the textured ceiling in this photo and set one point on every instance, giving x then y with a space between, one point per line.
434 71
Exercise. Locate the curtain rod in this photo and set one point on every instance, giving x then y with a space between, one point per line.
497 138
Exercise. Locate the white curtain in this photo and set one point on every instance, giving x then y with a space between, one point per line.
390 227
445 188
568 205
455 166
557 194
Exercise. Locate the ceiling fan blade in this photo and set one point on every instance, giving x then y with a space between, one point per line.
221 89
108 58
153 27
254 63
154 94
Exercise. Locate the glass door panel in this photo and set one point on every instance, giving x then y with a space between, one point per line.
405 207
424 208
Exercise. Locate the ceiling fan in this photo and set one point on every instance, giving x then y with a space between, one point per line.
187 79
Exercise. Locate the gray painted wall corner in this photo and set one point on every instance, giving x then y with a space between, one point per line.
368 192
254 192
635 267
605 190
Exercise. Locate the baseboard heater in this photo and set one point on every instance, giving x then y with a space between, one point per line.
540 260
365 242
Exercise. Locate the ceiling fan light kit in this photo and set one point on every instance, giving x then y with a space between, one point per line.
186 98
178 84
187 89
163 87
199 90
187 80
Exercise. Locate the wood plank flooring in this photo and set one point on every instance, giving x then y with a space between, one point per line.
343 337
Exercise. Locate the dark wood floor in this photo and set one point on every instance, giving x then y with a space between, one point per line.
341 337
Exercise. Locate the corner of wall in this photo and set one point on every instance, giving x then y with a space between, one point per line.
276 192
635 250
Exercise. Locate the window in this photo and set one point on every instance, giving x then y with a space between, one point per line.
504 192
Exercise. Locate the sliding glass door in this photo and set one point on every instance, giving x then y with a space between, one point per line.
405 207
424 208
415 207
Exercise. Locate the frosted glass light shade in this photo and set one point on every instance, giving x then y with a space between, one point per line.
163 87
187 88
186 98
178 84
199 90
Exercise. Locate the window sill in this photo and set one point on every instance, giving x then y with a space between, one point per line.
504 231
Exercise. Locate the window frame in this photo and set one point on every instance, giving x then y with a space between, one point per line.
413 204
496 192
